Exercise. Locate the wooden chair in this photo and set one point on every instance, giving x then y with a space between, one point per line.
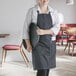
13 48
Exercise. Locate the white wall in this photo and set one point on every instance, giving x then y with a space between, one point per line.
69 11
12 16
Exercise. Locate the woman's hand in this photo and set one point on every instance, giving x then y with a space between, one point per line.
29 48
40 31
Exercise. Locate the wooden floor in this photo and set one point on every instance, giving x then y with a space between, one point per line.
66 66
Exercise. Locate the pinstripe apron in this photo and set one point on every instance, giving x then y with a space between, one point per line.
44 54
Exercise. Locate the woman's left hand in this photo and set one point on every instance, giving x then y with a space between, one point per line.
40 31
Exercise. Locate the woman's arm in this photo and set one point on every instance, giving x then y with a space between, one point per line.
43 32
56 23
26 29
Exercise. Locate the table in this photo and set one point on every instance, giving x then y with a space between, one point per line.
4 35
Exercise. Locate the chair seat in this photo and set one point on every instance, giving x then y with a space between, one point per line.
11 47
74 43
72 40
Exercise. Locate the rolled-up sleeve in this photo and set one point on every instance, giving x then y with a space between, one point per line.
56 24
26 24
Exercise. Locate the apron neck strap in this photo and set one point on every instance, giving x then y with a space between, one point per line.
38 12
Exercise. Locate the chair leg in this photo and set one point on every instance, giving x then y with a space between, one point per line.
69 48
73 50
66 46
4 52
24 56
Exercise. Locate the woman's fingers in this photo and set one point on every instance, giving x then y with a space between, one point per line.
40 31
29 48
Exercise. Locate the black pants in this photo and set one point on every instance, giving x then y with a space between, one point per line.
43 72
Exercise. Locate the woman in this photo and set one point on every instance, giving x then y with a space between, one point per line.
44 54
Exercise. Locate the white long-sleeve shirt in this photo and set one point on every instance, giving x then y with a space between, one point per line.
31 16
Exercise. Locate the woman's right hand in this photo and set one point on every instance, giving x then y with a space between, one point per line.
29 48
